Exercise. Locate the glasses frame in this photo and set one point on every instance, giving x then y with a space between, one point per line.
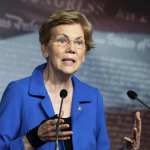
64 41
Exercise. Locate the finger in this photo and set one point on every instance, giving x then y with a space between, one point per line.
46 127
50 124
64 138
64 126
127 139
60 138
135 134
51 130
46 131
48 135
138 115
60 127
60 134
138 122
54 121
64 133
128 143
136 139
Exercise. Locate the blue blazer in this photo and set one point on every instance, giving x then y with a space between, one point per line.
25 103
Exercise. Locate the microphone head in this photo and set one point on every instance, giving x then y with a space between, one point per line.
63 93
132 94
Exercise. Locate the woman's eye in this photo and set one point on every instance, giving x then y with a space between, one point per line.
79 42
61 40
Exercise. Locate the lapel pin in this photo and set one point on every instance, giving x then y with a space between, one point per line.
79 108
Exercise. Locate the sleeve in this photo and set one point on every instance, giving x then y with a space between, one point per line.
10 119
102 134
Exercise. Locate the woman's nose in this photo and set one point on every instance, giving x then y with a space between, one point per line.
71 47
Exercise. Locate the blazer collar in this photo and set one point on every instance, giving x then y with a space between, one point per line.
80 97
37 89
36 86
79 91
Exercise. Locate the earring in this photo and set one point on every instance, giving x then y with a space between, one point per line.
45 55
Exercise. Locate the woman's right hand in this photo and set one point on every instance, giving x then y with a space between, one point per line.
47 130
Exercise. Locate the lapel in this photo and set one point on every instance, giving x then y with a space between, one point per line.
80 96
37 89
47 107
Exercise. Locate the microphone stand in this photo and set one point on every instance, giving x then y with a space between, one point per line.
63 94
148 107
57 126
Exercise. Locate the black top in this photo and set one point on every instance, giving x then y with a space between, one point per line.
68 143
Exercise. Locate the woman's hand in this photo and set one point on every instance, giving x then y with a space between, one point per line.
47 130
134 142
27 145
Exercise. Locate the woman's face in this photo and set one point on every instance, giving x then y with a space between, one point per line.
66 48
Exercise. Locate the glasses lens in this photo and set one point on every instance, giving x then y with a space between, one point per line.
79 44
62 41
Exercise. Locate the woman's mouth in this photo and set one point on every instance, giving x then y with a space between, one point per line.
68 61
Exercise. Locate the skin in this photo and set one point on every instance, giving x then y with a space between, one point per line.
57 67
62 63
133 143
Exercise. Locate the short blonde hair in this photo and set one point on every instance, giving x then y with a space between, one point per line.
66 17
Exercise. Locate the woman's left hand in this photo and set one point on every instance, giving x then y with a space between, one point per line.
134 142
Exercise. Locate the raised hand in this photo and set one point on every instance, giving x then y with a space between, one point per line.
133 143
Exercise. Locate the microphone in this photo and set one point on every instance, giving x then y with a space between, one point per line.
63 94
134 96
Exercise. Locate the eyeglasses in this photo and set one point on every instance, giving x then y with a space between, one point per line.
63 41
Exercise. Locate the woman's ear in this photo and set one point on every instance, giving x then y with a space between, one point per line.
83 59
44 50
84 56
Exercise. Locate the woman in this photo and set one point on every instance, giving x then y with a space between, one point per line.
29 107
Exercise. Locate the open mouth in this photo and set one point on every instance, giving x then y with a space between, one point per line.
68 60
